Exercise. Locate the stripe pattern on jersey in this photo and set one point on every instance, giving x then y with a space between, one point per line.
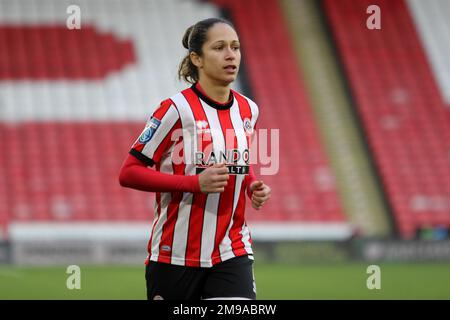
196 229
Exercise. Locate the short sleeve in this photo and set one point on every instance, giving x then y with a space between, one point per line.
157 136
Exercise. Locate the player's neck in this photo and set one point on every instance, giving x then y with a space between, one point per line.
217 93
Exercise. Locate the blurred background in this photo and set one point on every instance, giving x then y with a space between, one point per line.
359 91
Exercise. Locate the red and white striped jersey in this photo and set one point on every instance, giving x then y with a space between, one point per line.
186 134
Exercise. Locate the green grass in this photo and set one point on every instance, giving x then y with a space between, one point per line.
348 281
274 281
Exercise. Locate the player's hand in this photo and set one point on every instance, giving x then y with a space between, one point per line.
260 194
214 179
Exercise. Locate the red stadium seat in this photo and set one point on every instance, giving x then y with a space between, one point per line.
405 120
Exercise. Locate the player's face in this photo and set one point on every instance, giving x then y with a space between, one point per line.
221 55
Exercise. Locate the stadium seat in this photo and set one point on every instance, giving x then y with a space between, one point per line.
404 118
73 101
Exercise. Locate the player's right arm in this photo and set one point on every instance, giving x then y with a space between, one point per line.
136 175
154 141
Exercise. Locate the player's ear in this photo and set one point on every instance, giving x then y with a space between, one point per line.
196 59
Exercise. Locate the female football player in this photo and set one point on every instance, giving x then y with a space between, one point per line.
194 153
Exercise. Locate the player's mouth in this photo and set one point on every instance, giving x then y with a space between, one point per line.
231 68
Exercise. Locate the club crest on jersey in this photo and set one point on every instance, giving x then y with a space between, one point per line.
149 130
248 126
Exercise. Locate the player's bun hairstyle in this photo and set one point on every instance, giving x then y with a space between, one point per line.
193 40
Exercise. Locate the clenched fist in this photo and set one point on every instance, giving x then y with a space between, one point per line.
214 179
260 194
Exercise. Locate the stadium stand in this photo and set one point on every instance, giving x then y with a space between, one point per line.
72 101
359 189
404 117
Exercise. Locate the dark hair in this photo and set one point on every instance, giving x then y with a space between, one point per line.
193 40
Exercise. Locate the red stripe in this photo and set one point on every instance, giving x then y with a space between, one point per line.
238 220
239 215
138 146
194 240
225 209
161 111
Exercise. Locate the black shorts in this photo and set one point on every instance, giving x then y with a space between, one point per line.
232 278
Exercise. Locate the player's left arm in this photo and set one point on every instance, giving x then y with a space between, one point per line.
257 190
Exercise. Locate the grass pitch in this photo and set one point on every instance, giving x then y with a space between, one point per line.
273 281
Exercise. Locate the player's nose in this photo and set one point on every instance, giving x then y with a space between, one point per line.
230 54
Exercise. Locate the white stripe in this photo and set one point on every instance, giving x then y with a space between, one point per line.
218 140
136 231
433 27
209 229
246 238
180 234
255 111
239 181
188 125
167 122
238 126
165 165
